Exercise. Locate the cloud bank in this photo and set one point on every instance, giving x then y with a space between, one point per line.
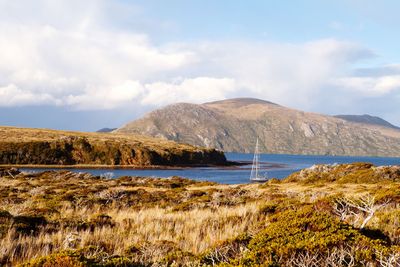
84 62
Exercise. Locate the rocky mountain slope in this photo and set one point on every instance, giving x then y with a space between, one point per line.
235 124
49 147
367 119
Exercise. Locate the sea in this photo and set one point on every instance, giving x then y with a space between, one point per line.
271 165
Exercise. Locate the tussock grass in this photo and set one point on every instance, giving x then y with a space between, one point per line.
194 231
61 218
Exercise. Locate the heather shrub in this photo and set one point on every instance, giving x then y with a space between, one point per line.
305 231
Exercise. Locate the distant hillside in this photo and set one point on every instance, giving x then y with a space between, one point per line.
234 125
50 147
105 130
367 119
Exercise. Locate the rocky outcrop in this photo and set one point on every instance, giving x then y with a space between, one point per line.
233 126
346 173
67 148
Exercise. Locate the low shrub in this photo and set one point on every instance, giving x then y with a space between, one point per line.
28 224
5 222
306 231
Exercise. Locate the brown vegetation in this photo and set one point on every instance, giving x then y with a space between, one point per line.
21 146
60 218
360 172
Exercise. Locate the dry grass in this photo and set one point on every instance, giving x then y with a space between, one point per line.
14 134
190 216
194 231
148 219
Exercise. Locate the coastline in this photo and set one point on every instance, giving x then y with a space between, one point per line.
229 165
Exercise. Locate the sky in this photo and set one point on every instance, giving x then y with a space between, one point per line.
85 65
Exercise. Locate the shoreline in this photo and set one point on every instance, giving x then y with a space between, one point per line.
232 165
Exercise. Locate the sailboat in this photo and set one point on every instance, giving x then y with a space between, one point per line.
255 169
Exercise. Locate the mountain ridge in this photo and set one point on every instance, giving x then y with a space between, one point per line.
367 119
106 130
233 125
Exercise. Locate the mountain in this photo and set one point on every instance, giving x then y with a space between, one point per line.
21 146
105 130
235 124
367 119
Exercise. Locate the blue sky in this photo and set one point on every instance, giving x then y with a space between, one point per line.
373 23
84 65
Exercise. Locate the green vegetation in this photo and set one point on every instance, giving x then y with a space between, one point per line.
313 236
60 218
21 146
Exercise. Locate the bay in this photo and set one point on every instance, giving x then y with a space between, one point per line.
273 165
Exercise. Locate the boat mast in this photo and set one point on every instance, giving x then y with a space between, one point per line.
254 168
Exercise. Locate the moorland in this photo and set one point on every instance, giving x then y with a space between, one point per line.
35 147
327 215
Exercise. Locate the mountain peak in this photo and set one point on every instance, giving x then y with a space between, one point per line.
244 101
233 125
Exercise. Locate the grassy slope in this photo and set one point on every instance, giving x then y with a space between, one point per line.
80 219
51 147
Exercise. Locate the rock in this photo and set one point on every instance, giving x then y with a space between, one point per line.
346 173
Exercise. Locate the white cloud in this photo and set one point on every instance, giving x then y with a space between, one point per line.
290 74
11 95
197 90
80 63
371 86
106 98
70 54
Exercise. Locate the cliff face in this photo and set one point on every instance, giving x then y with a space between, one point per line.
49 147
234 125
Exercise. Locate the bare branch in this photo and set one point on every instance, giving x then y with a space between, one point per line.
364 206
390 260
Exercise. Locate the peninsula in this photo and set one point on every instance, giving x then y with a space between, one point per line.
26 146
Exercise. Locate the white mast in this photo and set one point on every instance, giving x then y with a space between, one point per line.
255 167
254 175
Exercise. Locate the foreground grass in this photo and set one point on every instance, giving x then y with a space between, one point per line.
66 219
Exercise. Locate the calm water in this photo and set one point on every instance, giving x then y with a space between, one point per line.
289 164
